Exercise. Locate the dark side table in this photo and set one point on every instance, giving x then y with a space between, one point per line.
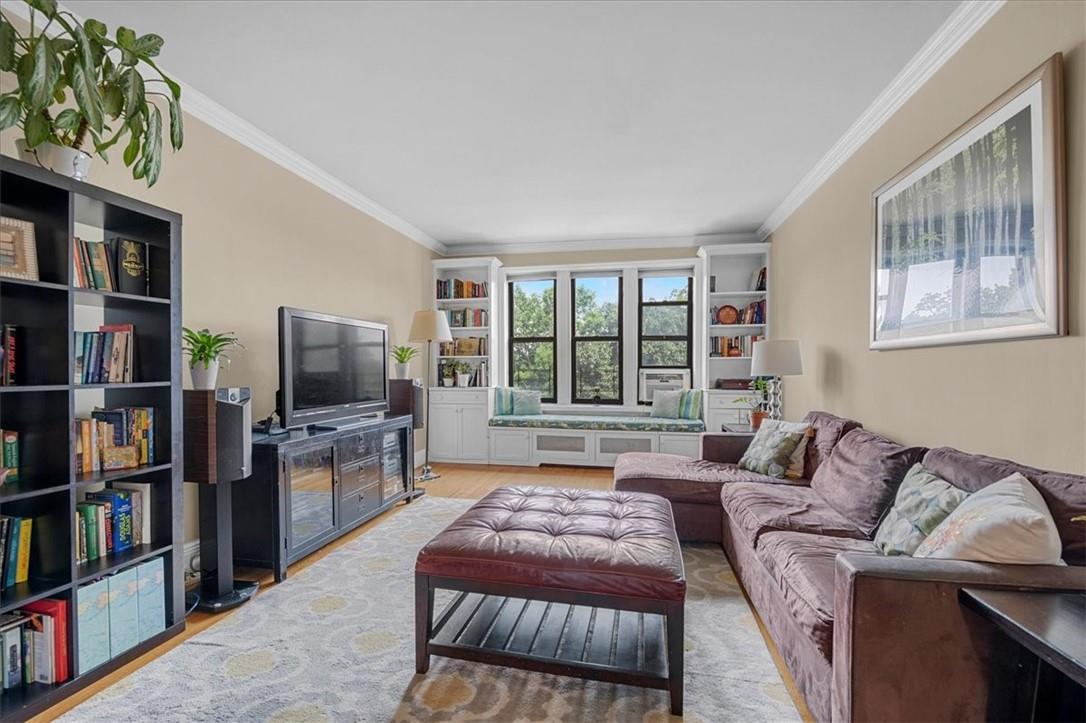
1039 664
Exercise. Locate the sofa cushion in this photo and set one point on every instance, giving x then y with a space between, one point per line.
770 452
923 501
802 565
862 475
827 430
682 479
1064 493
755 509
600 422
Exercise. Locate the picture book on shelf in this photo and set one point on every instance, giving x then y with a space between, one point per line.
106 356
9 456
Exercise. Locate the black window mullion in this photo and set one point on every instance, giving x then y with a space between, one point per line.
574 340
552 339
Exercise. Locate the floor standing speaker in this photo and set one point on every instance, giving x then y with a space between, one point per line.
405 397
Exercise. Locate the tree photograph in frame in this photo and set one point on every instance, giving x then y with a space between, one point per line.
970 238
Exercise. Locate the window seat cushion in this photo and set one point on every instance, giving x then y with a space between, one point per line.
604 422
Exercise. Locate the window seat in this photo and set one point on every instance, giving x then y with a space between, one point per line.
598 422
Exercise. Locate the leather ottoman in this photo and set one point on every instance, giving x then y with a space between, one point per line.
566 581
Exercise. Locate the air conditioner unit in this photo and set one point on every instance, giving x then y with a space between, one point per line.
662 379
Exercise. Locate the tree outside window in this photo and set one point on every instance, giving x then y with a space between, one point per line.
664 333
597 340
532 349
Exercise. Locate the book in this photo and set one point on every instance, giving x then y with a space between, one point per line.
11 559
10 454
151 577
119 509
22 572
11 350
99 265
141 510
131 266
92 624
89 513
42 666
13 656
57 611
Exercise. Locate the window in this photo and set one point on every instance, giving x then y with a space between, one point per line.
532 349
597 339
664 326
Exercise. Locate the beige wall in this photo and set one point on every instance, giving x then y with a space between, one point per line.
1020 399
256 237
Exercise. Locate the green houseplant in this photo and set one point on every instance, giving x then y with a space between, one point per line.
77 83
206 351
463 373
403 355
757 402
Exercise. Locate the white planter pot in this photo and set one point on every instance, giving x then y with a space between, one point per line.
204 378
462 380
402 369
59 159
446 381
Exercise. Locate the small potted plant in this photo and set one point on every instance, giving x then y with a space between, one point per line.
463 373
403 356
206 351
757 402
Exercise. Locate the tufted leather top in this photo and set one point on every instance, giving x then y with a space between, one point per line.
607 543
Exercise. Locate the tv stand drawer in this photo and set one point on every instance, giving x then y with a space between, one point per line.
357 447
356 504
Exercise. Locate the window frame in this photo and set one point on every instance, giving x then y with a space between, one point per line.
573 339
642 337
553 339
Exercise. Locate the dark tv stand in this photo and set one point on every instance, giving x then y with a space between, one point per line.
310 486
340 425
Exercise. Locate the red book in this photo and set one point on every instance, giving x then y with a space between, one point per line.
58 610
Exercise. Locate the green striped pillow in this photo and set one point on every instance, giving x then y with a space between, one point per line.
503 400
690 404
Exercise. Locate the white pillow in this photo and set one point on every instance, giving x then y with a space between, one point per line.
1006 522
666 403
795 464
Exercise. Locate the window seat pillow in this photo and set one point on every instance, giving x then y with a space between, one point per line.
611 423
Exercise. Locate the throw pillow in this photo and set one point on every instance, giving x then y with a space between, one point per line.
799 456
861 477
666 404
527 401
770 452
923 501
503 400
690 404
1006 522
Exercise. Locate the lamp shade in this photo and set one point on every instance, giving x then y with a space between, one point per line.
776 358
430 325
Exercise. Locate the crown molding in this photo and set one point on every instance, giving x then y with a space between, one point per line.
962 24
201 107
606 243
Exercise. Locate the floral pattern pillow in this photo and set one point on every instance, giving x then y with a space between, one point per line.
770 452
923 501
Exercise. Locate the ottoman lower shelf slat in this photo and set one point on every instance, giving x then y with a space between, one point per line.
554 637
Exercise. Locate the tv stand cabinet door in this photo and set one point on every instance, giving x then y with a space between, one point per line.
311 487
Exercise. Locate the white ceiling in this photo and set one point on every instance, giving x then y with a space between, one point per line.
532 121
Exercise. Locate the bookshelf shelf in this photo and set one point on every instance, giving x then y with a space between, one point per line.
736 294
477 300
463 356
472 329
727 327
45 403
717 357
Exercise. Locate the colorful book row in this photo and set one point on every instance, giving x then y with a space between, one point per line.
106 356
459 318
732 346
113 439
15 549
112 520
115 265
119 612
35 644
461 289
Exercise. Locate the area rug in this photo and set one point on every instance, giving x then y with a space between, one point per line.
335 643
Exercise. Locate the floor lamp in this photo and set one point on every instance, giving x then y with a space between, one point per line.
775 359
429 325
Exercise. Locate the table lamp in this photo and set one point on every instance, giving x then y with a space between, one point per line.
775 359
429 325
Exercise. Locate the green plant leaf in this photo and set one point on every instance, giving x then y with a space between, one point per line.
87 97
134 93
68 120
112 101
96 28
7 45
177 130
37 129
126 38
38 90
152 146
62 45
59 96
10 110
132 149
47 7
148 45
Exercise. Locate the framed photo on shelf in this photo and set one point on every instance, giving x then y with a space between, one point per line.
18 251
970 239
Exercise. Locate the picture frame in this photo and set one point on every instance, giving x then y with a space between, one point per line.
969 241
18 249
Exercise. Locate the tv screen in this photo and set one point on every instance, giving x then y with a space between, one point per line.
331 367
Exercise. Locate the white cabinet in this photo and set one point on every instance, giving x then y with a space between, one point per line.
724 407
458 425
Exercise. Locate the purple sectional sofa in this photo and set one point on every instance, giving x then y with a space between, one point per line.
865 636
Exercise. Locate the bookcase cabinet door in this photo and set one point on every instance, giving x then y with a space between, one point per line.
444 431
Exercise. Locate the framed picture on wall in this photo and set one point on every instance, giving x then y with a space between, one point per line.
970 238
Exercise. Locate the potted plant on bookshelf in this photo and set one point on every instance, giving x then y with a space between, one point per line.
463 373
59 60
403 355
757 402
206 351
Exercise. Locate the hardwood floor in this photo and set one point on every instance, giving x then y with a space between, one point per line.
464 481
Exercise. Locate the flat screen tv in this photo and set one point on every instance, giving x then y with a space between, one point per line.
330 367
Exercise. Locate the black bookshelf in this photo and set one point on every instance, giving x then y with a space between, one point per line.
45 401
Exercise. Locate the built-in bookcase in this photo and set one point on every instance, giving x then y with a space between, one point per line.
46 399
731 279
480 273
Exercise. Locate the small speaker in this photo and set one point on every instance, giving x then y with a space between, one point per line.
405 397
218 434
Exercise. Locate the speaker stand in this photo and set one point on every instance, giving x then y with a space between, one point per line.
219 591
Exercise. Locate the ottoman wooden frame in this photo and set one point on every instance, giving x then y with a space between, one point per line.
542 610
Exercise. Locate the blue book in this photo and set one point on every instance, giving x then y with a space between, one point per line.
152 597
11 565
95 357
92 604
124 611
79 357
120 514
88 346
105 356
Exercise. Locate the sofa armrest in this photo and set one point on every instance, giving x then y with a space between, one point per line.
724 448
904 648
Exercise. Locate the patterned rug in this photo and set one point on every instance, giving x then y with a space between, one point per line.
335 643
